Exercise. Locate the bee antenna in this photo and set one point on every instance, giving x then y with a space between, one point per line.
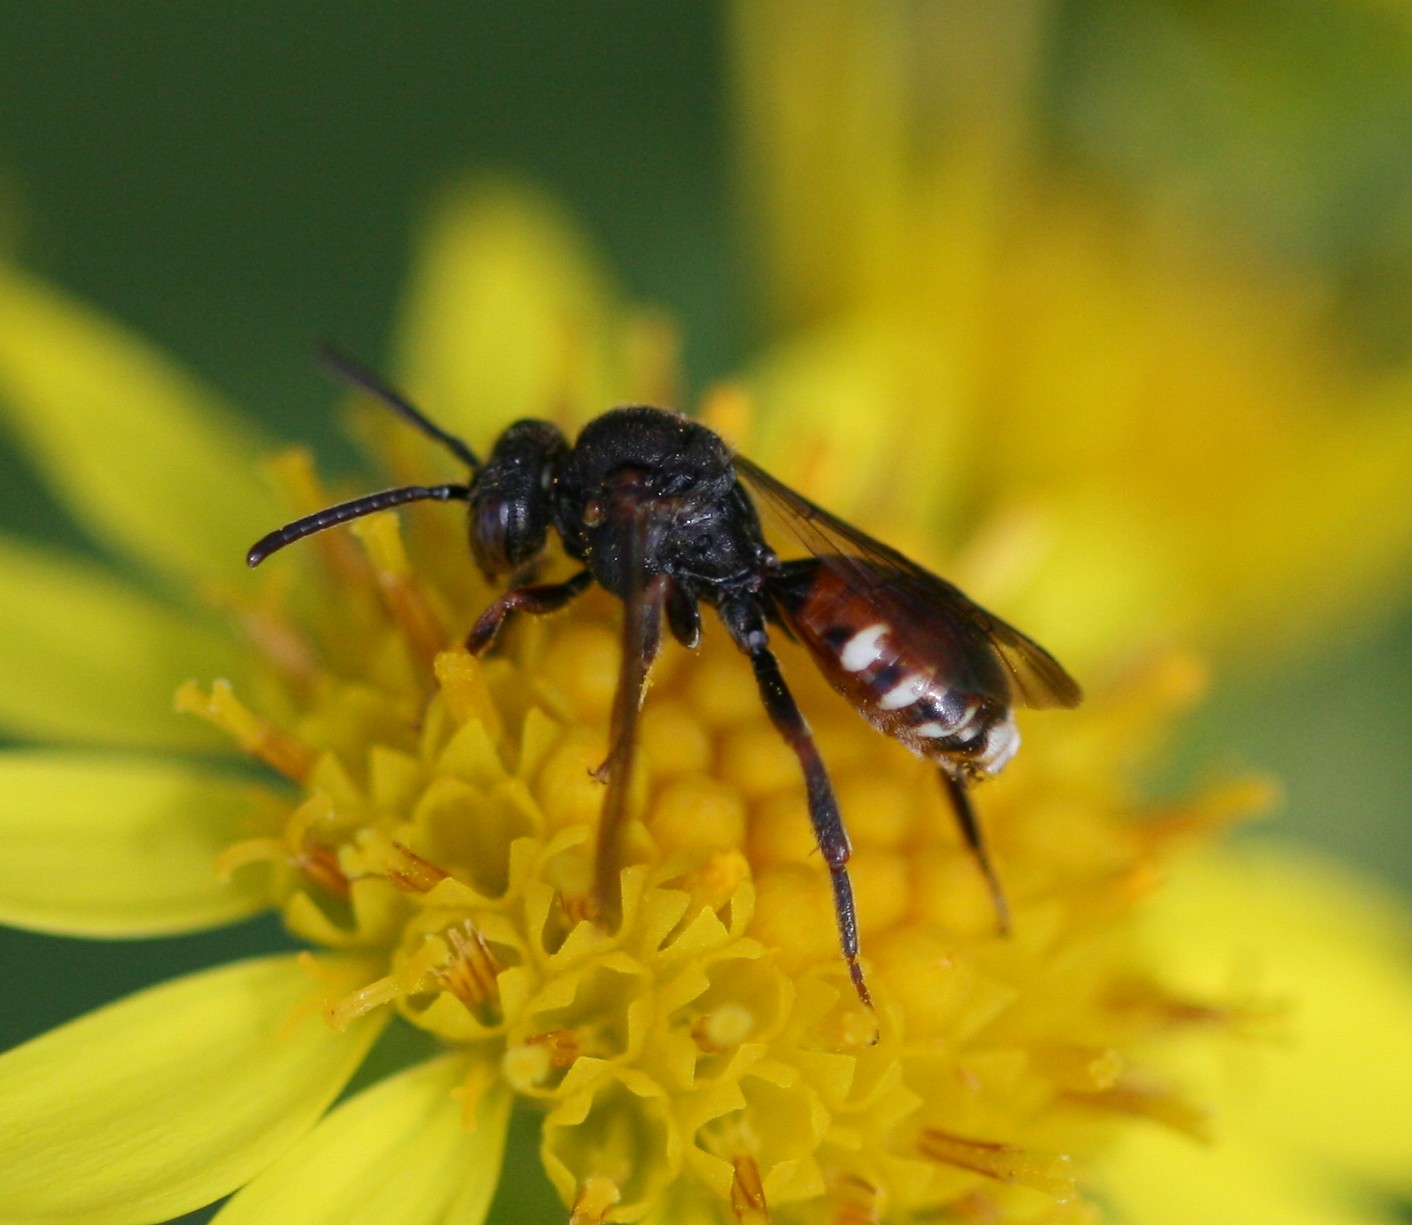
331 516
360 378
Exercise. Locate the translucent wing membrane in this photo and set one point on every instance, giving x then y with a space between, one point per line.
866 565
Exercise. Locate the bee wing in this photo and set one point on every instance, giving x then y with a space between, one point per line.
868 565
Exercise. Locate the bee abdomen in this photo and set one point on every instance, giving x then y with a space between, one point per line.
894 673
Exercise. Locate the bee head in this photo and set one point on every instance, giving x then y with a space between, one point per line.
511 499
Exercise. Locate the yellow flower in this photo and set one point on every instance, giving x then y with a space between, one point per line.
1157 436
425 820
1183 447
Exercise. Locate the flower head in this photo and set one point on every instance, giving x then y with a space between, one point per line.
425 820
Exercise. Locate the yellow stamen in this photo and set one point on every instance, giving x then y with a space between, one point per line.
320 865
526 1067
1083 1069
347 1010
316 811
1075 1212
469 973
409 871
332 976
405 980
1155 1102
976 1207
748 1191
595 1197
252 733
464 690
1211 813
1158 1008
298 849
282 646
293 473
1132 886
1005 1163
562 1045
578 907
717 880
403 596
480 1079
852 1026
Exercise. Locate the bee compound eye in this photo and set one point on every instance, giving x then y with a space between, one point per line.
492 530
507 531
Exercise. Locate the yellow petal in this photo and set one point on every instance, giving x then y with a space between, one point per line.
1087 370
679 1207
842 403
93 846
857 127
169 1099
1271 578
1158 1178
148 459
1318 1120
1117 400
86 658
511 316
811 107
397 1154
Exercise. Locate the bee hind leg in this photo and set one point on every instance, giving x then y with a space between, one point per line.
960 799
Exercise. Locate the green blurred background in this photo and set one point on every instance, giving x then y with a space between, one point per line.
237 181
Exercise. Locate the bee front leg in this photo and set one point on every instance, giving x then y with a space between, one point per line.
538 599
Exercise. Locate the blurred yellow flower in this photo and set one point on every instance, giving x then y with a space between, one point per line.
1138 432
434 837
425 820
1170 438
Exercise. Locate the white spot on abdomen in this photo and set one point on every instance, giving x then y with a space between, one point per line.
1002 741
935 729
904 694
968 717
862 648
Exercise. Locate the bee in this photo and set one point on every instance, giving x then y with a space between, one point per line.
655 508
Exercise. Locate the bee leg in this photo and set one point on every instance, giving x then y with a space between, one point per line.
538 599
746 624
959 796
642 636
683 617
640 647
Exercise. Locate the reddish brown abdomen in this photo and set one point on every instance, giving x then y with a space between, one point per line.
920 674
